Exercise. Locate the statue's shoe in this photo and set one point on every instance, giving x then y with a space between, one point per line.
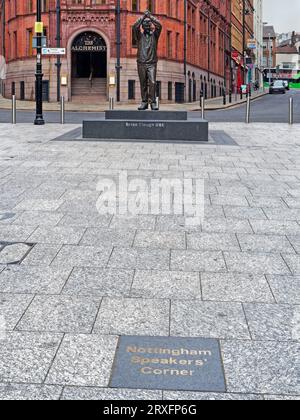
144 106
154 107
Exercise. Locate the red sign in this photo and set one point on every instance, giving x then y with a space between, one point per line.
237 57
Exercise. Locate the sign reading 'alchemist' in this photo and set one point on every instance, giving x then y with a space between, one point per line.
89 42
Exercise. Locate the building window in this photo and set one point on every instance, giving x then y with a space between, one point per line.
131 89
170 91
158 90
135 5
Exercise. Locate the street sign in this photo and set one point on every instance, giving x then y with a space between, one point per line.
252 46
39 27
54 51
244 88
34 42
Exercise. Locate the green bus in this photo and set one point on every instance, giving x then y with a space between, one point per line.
283 74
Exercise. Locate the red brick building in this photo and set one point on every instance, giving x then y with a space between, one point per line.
194 49
242 31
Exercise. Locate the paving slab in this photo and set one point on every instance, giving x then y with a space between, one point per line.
39 205
208 319
262 367
12 233
71 256
83 360
139 259
12 308
213 241
265 244
226 226
275 227
255 263
108 394
42 280
166 285
26 357
133 317
286 289
233 287
30 392
65 314
57 235
99 282
41 255
293 262
190 260
209 396
163 240
273 322
108 237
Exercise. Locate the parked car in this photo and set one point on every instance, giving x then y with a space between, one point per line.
277 87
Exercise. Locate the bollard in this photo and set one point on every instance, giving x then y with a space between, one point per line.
291 112
224 97
13 110
157 102
248 110
201 96
230 96
203 107
62 110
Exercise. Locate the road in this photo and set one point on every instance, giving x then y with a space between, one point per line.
270 108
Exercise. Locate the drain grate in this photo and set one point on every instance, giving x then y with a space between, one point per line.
13 253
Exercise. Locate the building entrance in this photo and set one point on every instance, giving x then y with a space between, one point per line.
89 66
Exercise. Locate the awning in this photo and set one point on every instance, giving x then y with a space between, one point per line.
297 76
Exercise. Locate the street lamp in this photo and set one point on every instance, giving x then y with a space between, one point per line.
58 45
39 119
118 65
269 48
246 12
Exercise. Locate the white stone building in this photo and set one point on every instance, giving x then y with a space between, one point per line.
258 34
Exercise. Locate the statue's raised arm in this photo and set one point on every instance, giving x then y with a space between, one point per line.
147 57
157 24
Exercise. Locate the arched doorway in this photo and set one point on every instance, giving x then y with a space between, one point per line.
89 66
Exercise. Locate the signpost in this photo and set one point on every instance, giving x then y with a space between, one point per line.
54 51
39 29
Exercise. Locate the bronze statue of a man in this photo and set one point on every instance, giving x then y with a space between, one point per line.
147 41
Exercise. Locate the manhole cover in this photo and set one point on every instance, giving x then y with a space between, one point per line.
13 253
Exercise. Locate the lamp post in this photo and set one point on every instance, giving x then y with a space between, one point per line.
269 54
244 41
2 11
118 46
185 49
39 119
58 45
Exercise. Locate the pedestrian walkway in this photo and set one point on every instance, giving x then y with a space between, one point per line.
73 282
210 104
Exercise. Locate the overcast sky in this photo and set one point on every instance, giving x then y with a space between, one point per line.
285 16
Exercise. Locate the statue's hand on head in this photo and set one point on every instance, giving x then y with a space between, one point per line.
147 14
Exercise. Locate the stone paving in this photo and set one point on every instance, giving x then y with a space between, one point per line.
81 279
